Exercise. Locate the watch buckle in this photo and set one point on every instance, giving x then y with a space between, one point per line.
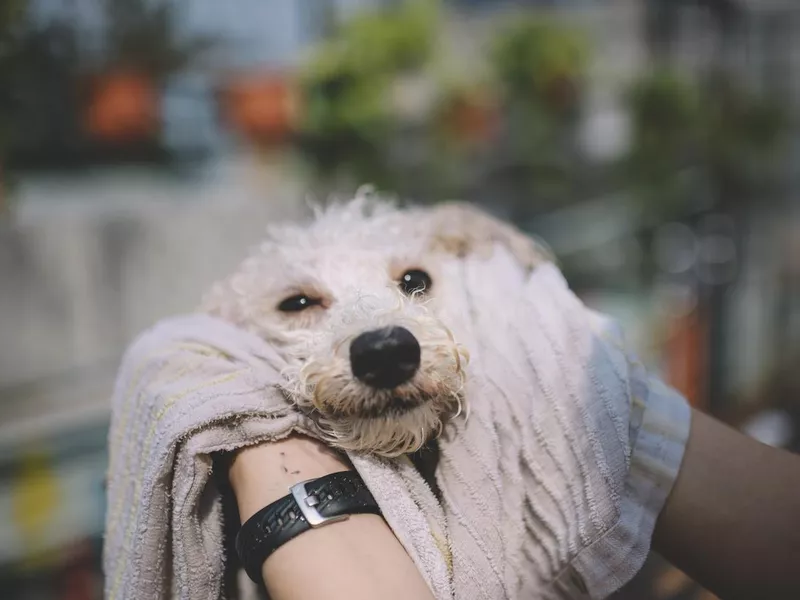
307 503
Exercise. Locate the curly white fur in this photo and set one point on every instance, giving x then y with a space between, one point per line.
350 259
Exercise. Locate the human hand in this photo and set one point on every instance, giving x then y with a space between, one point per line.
356 558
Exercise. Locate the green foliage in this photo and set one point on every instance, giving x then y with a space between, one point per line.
541 62
745 131
666 135
719 130
521 127
664 110
346 116
540 65
346 86
396 38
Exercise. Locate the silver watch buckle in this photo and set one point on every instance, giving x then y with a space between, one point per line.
307 503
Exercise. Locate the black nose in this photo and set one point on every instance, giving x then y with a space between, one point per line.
385 358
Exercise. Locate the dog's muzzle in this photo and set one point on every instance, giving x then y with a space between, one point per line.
385 358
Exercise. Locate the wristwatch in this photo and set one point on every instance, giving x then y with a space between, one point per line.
310 504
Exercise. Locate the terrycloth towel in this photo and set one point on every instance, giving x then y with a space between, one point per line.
550 488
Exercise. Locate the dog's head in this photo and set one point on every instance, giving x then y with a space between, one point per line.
355 305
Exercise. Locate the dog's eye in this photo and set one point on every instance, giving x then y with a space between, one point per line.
298 303
415 281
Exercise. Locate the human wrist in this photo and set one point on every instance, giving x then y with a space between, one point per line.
262 474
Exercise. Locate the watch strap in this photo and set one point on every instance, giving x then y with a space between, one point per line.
310 504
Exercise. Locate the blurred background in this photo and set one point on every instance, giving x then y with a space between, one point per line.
145 144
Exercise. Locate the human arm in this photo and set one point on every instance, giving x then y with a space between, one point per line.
349 560
732 521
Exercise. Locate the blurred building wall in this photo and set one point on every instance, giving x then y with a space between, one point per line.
85 270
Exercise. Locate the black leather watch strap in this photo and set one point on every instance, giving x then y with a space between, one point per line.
310 504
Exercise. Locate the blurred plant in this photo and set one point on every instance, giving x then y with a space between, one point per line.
461 133
262 107
348 121
142 47
519 127
717 135
665 116
35 62
346 118
540 65
395 38
467 116
745 133
143 36
44 119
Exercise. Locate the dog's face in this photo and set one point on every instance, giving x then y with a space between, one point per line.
356 305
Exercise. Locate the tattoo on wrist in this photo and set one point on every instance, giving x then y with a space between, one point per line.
284 468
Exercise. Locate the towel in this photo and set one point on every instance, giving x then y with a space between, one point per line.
550 488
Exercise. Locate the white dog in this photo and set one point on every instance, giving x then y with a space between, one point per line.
354 304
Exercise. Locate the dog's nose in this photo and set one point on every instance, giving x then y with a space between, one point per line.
385 358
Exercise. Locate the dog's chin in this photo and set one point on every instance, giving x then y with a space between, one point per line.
386 406
357 417
400 427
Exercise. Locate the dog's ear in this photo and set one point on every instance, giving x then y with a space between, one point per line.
460 229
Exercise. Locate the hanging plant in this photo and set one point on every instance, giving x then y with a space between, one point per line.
123 107
744 134
689 140
540 65
346 118
143 47
395 38
541 62
469 116
666 140
263 107
348 121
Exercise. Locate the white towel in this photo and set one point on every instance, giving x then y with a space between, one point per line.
551 488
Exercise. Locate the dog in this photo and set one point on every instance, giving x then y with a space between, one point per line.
354 303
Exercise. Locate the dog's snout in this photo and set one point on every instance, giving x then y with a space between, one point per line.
385 358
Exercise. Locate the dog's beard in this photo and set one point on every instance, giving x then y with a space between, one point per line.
354 416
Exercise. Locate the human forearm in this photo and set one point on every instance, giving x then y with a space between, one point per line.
352 559
733 519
